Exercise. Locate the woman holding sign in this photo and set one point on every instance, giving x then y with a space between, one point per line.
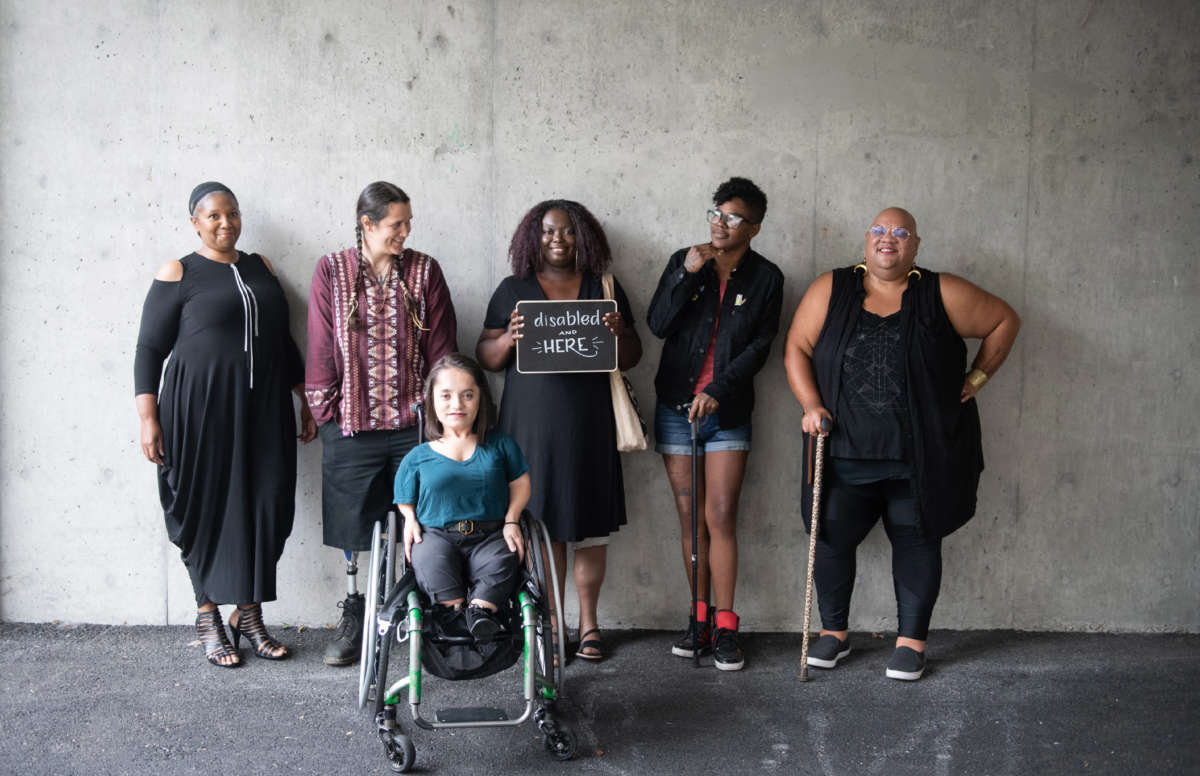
564 422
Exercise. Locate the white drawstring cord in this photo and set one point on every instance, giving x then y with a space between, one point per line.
249 315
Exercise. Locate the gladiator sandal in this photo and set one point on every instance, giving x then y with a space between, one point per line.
216 644
250 625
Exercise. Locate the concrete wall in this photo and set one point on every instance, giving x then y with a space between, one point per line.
1048 150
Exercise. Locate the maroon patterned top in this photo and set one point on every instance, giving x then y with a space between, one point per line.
364 378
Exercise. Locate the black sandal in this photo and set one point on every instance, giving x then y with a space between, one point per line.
250 625
213 639
586 643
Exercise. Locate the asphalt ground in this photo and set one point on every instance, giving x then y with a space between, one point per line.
87 699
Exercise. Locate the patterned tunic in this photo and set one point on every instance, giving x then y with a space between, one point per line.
365 378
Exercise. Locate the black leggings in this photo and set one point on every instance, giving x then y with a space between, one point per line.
849 514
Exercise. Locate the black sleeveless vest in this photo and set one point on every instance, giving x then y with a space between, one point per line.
944 443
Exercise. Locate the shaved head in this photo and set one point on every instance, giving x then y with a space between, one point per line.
899 214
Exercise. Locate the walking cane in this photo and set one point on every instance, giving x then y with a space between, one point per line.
695 528
818 469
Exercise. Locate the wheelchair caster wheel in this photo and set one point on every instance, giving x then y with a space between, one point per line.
401 753
561 744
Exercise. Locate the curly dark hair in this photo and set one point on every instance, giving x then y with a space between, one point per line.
591 246
745 190
487 407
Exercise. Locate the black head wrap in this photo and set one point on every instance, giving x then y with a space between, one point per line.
203 190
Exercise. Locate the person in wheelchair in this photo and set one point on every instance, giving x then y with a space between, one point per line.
461 495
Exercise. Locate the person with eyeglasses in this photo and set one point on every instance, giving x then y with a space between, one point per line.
717 307
877 350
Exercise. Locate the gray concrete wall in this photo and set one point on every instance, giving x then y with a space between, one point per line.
1047 149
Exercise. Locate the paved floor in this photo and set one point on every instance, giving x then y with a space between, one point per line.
140 700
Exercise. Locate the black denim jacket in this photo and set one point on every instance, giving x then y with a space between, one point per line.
682 313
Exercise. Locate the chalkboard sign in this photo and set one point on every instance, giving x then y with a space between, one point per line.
566 336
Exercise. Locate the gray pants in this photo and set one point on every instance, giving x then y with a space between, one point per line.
450 564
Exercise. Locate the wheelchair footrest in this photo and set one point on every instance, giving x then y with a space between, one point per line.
471 714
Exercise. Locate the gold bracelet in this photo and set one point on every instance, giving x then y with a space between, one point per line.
977 378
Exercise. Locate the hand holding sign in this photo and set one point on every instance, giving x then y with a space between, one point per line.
516 322
615 323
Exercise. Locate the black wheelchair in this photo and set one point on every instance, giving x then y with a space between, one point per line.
398 613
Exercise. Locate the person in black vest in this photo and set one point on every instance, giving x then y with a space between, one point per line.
878 350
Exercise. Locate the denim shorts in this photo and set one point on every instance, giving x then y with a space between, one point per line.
673 433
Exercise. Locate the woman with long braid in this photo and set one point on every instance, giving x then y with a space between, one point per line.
379 315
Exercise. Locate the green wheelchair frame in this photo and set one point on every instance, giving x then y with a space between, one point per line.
389 621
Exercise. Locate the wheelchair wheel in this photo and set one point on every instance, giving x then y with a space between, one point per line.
401 753
381 576
561 744
381 668
550 646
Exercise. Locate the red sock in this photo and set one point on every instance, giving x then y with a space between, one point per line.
727 619
701 611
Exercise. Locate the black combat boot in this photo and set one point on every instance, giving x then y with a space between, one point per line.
346 646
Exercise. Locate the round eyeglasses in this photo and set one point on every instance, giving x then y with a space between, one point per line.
731 220
899 232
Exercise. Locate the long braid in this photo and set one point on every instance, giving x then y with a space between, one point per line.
353 320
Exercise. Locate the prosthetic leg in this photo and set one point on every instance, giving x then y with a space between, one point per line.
351 573
347 638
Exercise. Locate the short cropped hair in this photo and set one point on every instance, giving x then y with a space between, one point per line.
745 190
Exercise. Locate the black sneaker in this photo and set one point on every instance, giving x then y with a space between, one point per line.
449 621
727 655
484 623
827 651
906 664
346 646
689 644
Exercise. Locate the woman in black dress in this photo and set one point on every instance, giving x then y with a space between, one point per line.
564 422
222 425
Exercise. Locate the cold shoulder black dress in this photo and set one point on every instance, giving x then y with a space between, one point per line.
229 476
564 425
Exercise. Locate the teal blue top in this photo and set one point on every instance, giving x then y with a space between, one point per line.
446 491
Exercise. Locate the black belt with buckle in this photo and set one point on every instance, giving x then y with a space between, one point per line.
471 527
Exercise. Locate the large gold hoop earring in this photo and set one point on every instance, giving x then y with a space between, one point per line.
862 266
915 271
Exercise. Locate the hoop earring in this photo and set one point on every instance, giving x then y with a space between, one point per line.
862 267
915 271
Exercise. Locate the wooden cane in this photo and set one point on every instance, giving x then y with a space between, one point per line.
814 518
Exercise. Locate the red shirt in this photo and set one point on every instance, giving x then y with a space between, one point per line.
706 370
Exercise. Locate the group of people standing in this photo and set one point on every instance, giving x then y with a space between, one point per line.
876 348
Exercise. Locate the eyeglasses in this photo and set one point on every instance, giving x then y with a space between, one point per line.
899 232
732 220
